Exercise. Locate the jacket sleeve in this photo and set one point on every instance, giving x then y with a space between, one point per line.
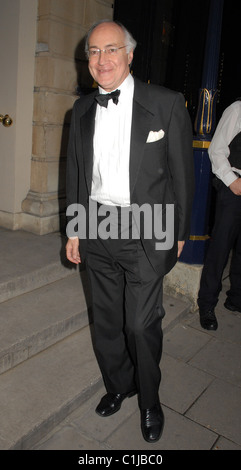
181 164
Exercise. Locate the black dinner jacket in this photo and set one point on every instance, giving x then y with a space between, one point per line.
161 172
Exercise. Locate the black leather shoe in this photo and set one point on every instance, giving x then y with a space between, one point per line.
111 403
208 320
152 423
230 306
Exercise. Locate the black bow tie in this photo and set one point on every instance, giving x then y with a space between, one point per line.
103 99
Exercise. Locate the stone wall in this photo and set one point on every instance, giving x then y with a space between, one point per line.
60 67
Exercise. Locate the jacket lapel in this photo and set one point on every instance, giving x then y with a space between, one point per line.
141 125
87 126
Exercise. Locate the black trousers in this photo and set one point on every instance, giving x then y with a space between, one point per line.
226 236
127 317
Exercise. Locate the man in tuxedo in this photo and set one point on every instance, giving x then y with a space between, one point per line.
131 152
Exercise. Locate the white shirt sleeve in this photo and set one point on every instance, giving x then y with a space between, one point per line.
228 127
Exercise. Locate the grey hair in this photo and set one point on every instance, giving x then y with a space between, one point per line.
130 41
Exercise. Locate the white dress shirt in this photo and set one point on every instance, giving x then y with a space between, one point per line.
110 178
228 127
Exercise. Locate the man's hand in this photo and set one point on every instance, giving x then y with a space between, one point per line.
72 250
180 248
235 187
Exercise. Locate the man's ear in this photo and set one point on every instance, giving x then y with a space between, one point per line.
130 57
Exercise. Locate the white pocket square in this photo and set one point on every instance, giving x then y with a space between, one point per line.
154 136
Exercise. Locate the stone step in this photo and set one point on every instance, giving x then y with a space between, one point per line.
34 321
40 392
29 261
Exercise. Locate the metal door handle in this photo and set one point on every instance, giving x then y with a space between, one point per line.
6 120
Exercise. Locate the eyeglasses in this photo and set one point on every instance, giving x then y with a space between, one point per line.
110 51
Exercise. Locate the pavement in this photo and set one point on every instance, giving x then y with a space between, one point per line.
200 389
200 395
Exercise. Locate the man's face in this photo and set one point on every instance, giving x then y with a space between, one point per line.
109 71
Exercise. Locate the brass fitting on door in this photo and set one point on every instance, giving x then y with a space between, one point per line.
6 120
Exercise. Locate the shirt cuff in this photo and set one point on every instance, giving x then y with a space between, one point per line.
229 178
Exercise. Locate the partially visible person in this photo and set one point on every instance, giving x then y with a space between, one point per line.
225 156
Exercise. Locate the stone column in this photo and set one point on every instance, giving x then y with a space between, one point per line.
60 68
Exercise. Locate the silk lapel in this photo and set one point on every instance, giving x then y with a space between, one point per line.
141 125
87 126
